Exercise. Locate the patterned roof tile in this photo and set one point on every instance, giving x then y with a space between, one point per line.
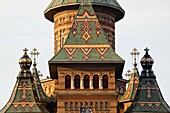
86 41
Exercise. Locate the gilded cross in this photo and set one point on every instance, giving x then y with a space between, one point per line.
128 74
35 54
134 54
25 50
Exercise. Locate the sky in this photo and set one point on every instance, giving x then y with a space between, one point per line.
22 24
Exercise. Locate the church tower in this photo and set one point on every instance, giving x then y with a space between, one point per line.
85 67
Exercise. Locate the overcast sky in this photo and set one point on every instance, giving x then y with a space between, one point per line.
22 24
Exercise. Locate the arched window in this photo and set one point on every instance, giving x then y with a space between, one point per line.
76 106
91 104
77 82
86 82
67 82
86 104
101 105
70 17
95 81
106 106
105 82
96 106
71 105
60 19
64 19
66 106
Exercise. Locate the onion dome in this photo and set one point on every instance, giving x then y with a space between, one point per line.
59 5
25 61
147 62
25 95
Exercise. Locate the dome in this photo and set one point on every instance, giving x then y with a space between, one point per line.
59 5
147 61
25 61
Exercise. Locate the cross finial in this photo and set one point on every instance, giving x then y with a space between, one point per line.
128 74
35 54
134 54
25 50
146 50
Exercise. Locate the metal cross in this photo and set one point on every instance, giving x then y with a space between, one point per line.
25 50
134 54
146 50
35 54
128 74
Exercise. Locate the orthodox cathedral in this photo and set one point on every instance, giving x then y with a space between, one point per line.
85 71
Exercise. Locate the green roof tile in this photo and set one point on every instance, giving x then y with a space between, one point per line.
25 96
86 41
132 87
60 3
148 98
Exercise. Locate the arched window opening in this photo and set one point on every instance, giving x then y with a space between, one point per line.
105 82
96 82
70 17
60 19
91 104
64 19
101 105
86 104
67 82
106 106
71 105
86 82
77 82
66 106
96 106
76 106
81 104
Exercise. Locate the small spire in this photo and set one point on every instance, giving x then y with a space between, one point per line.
35 54
134 54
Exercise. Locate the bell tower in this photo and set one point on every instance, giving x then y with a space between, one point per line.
85 67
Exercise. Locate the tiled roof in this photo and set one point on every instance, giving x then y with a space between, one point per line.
132 87
60 3
86 41
148 98
25 96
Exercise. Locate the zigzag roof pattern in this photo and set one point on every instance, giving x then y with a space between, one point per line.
148 98
86 41
25 96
